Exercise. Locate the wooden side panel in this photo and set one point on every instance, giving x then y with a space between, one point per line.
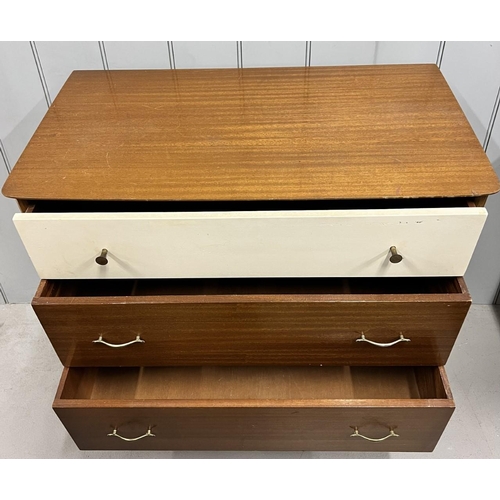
288 330
432 241
254 428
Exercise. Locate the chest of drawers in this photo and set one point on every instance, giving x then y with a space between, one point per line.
258 259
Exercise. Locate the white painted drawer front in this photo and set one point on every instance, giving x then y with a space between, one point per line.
432 241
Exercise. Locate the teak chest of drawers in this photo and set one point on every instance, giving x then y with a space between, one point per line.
257 259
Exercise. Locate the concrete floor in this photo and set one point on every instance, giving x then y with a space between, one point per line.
30 372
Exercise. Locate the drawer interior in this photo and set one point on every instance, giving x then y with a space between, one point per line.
75 206
254 383
249 286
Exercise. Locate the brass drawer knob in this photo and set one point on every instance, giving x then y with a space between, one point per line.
102 259
395 258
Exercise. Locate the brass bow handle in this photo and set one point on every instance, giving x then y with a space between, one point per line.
148 434
357 434
380 344
101 341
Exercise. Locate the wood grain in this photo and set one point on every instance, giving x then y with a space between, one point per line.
308 423
260 383
361 132
264 429
252 322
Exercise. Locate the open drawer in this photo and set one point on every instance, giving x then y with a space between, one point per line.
286 239
255 408
356 321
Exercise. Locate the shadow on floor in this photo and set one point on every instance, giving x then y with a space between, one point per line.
496 314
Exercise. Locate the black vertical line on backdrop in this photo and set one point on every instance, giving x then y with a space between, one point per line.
308 54
239 53
491 123
3 154
170 56
439 58
104 56
39 69
3 294
173 53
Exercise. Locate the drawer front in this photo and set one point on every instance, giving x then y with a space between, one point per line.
319 429
432 242
255 408
294 329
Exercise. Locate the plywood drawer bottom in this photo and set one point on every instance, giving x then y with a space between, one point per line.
255 408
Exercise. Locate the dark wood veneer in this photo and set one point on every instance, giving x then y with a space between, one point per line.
288 408
250 322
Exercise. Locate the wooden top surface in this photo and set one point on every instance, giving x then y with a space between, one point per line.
353 132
